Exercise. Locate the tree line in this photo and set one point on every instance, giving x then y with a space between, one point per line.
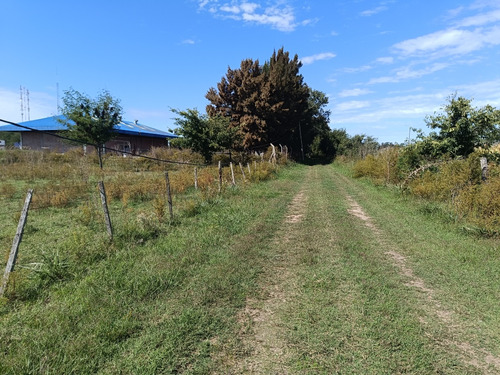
258 104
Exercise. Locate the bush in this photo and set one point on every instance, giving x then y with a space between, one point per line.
381 168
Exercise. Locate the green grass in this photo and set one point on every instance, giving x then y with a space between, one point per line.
161 298
167 297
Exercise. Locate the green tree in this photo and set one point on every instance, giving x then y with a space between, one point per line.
204 134
461 128
287 99
266 103
91 120
316 132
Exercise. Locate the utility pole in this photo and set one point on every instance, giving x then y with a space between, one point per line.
301 144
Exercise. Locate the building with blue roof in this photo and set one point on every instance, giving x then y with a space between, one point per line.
131 136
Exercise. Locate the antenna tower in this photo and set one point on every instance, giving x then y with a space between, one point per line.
22 102
28 102
24 97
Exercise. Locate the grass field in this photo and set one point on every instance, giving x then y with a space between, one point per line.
310 272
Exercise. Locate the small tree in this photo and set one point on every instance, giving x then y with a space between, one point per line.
91 120
462 128
204 134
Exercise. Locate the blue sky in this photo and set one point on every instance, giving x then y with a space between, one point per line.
384 65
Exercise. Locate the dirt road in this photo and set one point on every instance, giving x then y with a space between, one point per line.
358 282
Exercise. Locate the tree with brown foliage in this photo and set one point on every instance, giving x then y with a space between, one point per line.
266 103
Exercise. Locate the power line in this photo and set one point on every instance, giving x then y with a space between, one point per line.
103 147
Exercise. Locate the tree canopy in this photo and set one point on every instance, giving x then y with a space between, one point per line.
91 120
461 128
204 134
270 103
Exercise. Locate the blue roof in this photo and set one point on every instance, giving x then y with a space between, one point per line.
53 124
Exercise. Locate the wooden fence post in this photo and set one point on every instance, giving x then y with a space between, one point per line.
15 244
104 202
232 173
196 178
169 197
242 172
484 168
272 159
220 176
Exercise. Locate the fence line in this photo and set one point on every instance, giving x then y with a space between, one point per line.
205 182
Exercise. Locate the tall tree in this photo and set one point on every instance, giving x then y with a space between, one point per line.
286 96
91 120
267 103
239 98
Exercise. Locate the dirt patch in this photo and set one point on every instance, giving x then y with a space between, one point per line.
267 352
357 211
477 357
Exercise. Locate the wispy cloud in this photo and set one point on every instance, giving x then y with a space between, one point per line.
458 43
320 56
449 42
351 105
188 41
480 19
363 68
371 12
412 108
279 16
354 92
407 72
385 60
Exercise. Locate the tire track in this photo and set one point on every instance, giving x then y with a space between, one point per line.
263 339
480 358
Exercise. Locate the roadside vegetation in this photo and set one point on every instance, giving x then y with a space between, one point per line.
76 302
445 165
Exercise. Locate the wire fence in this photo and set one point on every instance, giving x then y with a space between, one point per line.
66 219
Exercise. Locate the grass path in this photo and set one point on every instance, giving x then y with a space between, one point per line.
310 273
351 289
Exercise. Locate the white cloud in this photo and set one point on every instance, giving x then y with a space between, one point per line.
371 12
363 68
249 7
385 60
449 42
480 19
279 16
413 108
452 13
188 41
320 56
230 9
407 72
354 92
407 107
351 105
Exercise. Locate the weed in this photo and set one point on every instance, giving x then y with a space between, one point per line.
159 206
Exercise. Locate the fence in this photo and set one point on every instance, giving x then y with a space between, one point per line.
78 213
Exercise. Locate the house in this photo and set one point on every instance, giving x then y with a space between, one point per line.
130 136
